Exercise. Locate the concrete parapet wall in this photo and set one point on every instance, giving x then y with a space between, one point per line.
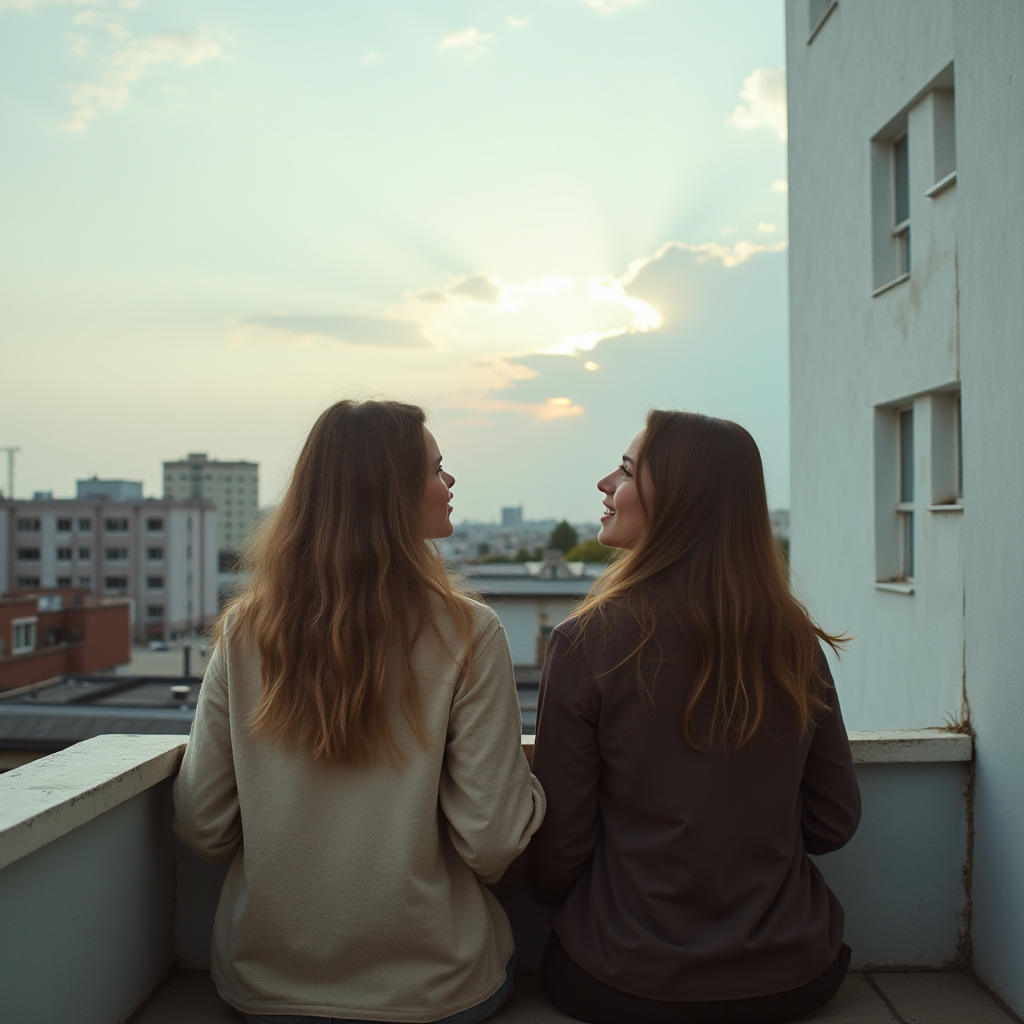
98 902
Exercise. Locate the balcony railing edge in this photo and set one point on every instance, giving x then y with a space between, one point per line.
46 799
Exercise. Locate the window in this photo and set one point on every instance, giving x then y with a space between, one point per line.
115 582
896 493
27 581
85 581
154 611
155 582
115 554
85 526
63 525
154 554
27 554
890 205
154 525
23 635
116 525
818 11
947 469
901 203
64 554
943 141
28 526
63 581
84 554
905 496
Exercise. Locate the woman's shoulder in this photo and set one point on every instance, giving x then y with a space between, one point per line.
612 619
482 620
234 650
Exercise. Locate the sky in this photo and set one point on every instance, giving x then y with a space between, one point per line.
535 219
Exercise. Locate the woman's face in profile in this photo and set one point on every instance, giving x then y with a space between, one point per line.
437 493
624 517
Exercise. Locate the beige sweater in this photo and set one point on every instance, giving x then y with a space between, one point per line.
358 892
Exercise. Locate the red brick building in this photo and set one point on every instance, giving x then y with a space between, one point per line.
60 631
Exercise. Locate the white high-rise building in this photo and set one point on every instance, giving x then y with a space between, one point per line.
161 554
906 172
232 487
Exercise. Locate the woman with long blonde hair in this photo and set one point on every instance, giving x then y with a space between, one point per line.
691 746
356 749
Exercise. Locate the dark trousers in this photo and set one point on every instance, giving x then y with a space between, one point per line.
580 995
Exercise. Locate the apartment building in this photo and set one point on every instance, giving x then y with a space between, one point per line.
906 167
231 487
161 555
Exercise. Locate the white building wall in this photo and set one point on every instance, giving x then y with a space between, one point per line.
851 352
958 320
48 550
208 563
176 569
519 619
990 121
524 618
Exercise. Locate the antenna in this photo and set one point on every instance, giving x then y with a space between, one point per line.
11 452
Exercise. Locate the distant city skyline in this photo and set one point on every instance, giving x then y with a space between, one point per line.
536 220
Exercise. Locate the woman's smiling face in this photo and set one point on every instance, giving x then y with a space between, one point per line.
624 518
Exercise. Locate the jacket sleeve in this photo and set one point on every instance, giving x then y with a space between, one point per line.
567 760
206 813
492 802
829 792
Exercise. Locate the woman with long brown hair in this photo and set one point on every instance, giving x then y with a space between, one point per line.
356 749
691 746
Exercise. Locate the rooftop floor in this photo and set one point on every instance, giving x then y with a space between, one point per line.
876 998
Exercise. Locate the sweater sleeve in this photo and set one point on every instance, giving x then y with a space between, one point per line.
567 760
492 802
206 812
829 792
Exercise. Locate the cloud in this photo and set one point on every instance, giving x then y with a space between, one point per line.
765 228
548 409
348 328
764 102
470 42
31 5
609 6
514 22
369 58
645 316
127 59
469 340
133 60
782 185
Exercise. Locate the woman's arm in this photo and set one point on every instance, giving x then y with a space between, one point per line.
829 791
492 802
567 761
206 814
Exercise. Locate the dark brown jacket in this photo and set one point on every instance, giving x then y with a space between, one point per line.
683 875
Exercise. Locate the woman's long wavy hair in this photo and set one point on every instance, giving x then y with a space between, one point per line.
708 553
342 582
